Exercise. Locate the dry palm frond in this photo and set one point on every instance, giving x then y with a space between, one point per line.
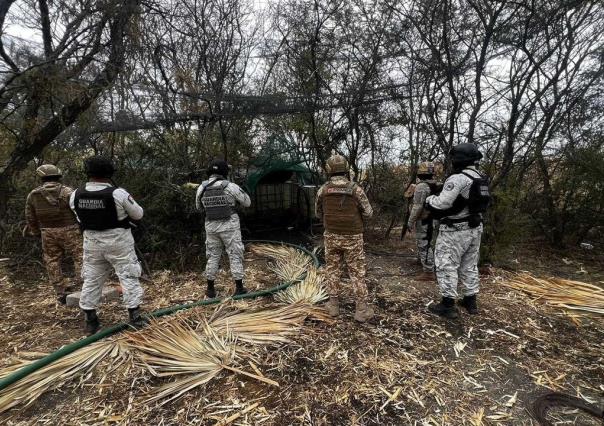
267 326
289 263
76 364
272 251
173 348
290 270
311 290
586 299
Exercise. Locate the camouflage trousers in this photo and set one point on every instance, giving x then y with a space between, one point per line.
340 249
456 259
230 240
56 242
423 238
106 251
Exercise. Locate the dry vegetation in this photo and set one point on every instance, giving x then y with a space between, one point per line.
279 365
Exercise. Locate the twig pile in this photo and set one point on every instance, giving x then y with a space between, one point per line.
584 298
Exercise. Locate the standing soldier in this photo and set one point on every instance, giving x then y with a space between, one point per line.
47 213
420 218
344 207
105 212
461 205
218 198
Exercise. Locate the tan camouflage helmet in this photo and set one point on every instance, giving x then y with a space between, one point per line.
48 170
425 168
336 164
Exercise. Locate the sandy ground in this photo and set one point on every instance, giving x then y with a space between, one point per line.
404 367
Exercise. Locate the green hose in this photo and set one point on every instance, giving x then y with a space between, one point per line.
72 347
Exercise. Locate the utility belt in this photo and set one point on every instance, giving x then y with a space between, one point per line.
473 221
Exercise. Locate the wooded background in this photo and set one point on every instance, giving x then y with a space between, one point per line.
164 86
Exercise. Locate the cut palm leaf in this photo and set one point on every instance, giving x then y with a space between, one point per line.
310 291
580 297
76 364
173 348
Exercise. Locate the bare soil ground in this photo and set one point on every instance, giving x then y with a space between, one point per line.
405 367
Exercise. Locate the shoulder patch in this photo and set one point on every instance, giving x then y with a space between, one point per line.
449 186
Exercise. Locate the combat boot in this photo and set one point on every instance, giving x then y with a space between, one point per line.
333 306
92 322
137 320
62 299
364 312
239 288
210 291
469 303
446 308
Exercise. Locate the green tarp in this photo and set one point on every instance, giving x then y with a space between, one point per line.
277 171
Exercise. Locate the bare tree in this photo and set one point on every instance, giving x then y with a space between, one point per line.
43 93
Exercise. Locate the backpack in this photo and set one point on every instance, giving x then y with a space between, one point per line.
480 195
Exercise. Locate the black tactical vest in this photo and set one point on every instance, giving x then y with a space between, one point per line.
96 210
477 202
216 202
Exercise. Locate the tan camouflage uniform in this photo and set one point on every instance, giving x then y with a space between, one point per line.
48 214
345 248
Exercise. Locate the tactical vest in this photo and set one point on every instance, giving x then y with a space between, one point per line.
216 203
341 214
52 211
477 202
480 194
96 210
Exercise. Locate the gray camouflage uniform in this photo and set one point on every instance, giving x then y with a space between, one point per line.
224 233
111 249
423 224
457 246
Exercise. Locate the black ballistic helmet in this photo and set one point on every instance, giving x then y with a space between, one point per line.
218 167
464 154
99 167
